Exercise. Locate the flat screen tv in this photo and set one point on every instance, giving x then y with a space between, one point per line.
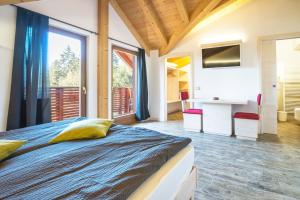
223 56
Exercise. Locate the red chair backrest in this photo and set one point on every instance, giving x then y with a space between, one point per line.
259 99
184 95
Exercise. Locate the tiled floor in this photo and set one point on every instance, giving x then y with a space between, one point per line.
234 169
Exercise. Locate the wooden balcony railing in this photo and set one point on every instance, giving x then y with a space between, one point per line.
123 101
64 102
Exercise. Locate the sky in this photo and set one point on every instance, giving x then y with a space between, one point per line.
58 43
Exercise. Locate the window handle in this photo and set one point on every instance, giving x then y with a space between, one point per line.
84 91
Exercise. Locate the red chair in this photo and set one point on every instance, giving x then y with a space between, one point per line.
192 117
246 125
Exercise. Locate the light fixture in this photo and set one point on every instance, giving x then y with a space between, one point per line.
221 61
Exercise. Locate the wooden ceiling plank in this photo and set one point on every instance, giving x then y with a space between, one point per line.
130 26
197 16
150 14
182 11
7 2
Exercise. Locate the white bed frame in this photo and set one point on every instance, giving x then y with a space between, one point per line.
188 187
176 179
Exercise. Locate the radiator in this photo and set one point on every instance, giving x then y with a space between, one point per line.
292 95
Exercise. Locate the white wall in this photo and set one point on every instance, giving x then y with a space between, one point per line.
118 30
81 13
254 19
157 88
7 40
77 12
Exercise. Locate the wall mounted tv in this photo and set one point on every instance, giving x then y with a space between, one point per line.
223 56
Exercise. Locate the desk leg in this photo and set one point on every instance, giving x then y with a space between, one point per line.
217 119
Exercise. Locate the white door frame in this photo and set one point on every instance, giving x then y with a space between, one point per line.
164 104
260 41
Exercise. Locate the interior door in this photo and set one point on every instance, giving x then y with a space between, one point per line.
269 91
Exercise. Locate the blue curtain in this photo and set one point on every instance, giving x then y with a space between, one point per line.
29 98
142 111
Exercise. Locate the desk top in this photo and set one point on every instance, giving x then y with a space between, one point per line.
220 101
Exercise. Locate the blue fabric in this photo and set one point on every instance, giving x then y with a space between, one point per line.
142 111
29 98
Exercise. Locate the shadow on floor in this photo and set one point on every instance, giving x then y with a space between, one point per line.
175 116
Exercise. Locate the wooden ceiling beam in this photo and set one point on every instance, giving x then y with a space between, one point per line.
221 7
198 15
130 26
7 2
181 7
152 17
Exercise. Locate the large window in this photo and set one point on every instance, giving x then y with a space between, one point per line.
123 81
66 59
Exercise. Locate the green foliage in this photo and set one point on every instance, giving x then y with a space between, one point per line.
122 74
65 71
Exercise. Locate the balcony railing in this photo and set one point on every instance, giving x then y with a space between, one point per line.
64 102
123 101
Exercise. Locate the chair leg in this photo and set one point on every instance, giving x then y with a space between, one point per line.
201 131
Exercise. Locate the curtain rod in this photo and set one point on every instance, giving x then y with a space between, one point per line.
93 32
124 43
58 20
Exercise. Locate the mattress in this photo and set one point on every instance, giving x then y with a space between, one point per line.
166 182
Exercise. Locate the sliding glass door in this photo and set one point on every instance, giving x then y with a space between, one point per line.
67 74
123 82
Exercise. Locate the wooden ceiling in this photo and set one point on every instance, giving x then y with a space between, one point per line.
161 24
5 2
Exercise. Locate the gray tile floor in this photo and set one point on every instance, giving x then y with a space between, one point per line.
228 168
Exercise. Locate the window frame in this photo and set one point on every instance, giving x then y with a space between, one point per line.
127 118
83 70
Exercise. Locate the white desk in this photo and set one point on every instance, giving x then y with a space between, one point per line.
217 115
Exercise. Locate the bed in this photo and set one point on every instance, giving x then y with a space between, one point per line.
130 163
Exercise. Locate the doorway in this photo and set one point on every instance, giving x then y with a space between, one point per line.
178 80
288 80
280 83
67 74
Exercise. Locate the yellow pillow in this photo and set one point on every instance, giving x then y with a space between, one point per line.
8 147
86 129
